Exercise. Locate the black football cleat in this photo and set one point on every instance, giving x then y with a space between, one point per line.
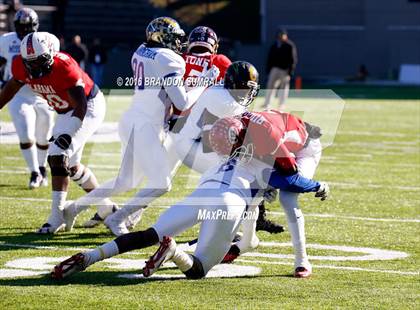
266 225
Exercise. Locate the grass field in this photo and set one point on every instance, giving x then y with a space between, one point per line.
373 167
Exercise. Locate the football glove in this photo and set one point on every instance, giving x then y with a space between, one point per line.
210 74
323 191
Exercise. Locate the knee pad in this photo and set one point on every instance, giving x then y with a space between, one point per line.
26 145
42 146
196 271
59 165
80 174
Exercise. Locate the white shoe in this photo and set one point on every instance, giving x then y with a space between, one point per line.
48 228
69 214
35 180
54 224
165 252
133 219
116 225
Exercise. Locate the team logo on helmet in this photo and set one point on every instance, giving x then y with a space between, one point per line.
30 47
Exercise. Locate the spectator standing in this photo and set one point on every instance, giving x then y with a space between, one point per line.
281 63
78 51
97 59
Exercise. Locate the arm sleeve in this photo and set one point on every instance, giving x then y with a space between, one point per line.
295 183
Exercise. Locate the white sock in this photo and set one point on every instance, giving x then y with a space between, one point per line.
183 260
105 251
296 224
58 199
42 157
297 230
31 158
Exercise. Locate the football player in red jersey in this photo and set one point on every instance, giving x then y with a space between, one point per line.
286 143
80 106
229 187
201 55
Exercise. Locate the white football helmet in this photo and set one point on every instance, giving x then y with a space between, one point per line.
37 50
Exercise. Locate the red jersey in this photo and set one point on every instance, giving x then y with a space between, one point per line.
276 136
194 66
64 75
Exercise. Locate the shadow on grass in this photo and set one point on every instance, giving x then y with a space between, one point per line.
32 240
110 278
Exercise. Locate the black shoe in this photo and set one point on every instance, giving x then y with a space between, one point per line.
35 180
44 175
266 225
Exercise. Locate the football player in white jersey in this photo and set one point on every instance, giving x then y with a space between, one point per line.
224 192
31 115
158 70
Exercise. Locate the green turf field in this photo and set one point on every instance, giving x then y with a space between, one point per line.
364 240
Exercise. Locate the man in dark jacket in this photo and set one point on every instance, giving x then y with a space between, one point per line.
97 59
281 63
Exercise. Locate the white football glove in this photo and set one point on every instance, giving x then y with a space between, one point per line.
210 74
323 191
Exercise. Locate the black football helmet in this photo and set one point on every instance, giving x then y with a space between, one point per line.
26 21
165 32
241 80
203 37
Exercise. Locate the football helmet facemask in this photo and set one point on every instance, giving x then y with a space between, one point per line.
25 21
204 38
165 32
241 80
37 52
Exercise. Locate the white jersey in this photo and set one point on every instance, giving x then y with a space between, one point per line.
215 100
10 47
245 177
151 65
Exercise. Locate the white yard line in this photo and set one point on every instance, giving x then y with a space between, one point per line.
408 273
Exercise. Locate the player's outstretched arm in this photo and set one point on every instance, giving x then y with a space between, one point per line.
9 91
176 91
295 183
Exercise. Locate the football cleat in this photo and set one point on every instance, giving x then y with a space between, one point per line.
165 252
72 265
266 225
302 272
117 226
44 175
229 258
69 214
231 255
47 229
96 219
35 180
133 219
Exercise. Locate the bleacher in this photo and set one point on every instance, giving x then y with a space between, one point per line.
120 22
